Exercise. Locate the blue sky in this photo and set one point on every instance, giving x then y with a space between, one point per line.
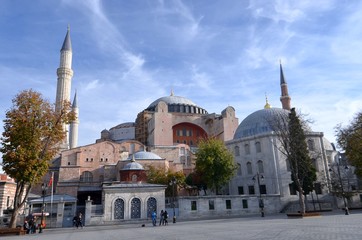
126 54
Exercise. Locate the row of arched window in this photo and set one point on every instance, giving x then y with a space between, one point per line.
310 143
247 149
249 168
135 208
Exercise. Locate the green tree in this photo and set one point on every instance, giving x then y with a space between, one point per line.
289 129
32 133
215 163
165 177
195 181
349 139
303 172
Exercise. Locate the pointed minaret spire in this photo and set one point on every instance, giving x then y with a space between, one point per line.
284 98
73 127
75 100
65 74
67 44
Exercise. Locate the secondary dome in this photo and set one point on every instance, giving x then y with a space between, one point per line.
133 165
259 122
177 104
143 155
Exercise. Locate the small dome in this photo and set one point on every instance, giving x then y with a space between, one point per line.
259 122
143 155
133 166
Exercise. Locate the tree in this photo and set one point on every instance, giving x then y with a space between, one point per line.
32 133
290 133
215 163
162 176
350 140
195 181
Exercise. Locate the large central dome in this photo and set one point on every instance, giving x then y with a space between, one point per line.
259 122
178 104
173 100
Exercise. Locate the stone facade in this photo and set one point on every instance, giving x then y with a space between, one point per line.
257 153
7 193
129 201
224 206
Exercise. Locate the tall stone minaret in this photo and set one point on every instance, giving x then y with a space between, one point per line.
73 127
284 98
65 74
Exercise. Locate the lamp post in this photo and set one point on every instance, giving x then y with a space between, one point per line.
259 178
173 183
346 211
43 191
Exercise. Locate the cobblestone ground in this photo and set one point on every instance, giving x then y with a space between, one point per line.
329 226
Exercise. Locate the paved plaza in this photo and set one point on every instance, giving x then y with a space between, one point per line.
332 225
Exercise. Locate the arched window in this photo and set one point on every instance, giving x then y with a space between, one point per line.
135 208
237 151
260 166
247 149
134 178
86 177
249 168
257 147
151 206
239 169
288 165
119 209
311 145
315 163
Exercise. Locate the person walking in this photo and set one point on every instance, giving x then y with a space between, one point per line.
161 218
75 221
154 216
80 220
165 216
26 226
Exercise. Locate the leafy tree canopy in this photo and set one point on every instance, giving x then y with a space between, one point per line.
214 163
303 172
32 131
350 140
165 177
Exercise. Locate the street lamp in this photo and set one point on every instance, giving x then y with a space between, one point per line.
346 211
259 178
173 183
44 188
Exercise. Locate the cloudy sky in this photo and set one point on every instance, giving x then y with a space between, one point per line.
126 54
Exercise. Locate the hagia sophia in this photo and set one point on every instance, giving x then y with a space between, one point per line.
109 174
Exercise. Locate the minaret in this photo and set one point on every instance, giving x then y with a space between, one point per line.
284 98
73 127
65 74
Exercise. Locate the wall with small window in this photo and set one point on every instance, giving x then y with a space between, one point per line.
224 205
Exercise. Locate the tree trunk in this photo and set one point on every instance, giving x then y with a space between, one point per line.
301 201
14 217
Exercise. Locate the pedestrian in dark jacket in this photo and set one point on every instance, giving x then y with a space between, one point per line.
161 218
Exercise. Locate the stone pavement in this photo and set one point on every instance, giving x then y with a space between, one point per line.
330 226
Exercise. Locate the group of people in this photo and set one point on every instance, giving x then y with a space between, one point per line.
30 225
78 221
163 218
